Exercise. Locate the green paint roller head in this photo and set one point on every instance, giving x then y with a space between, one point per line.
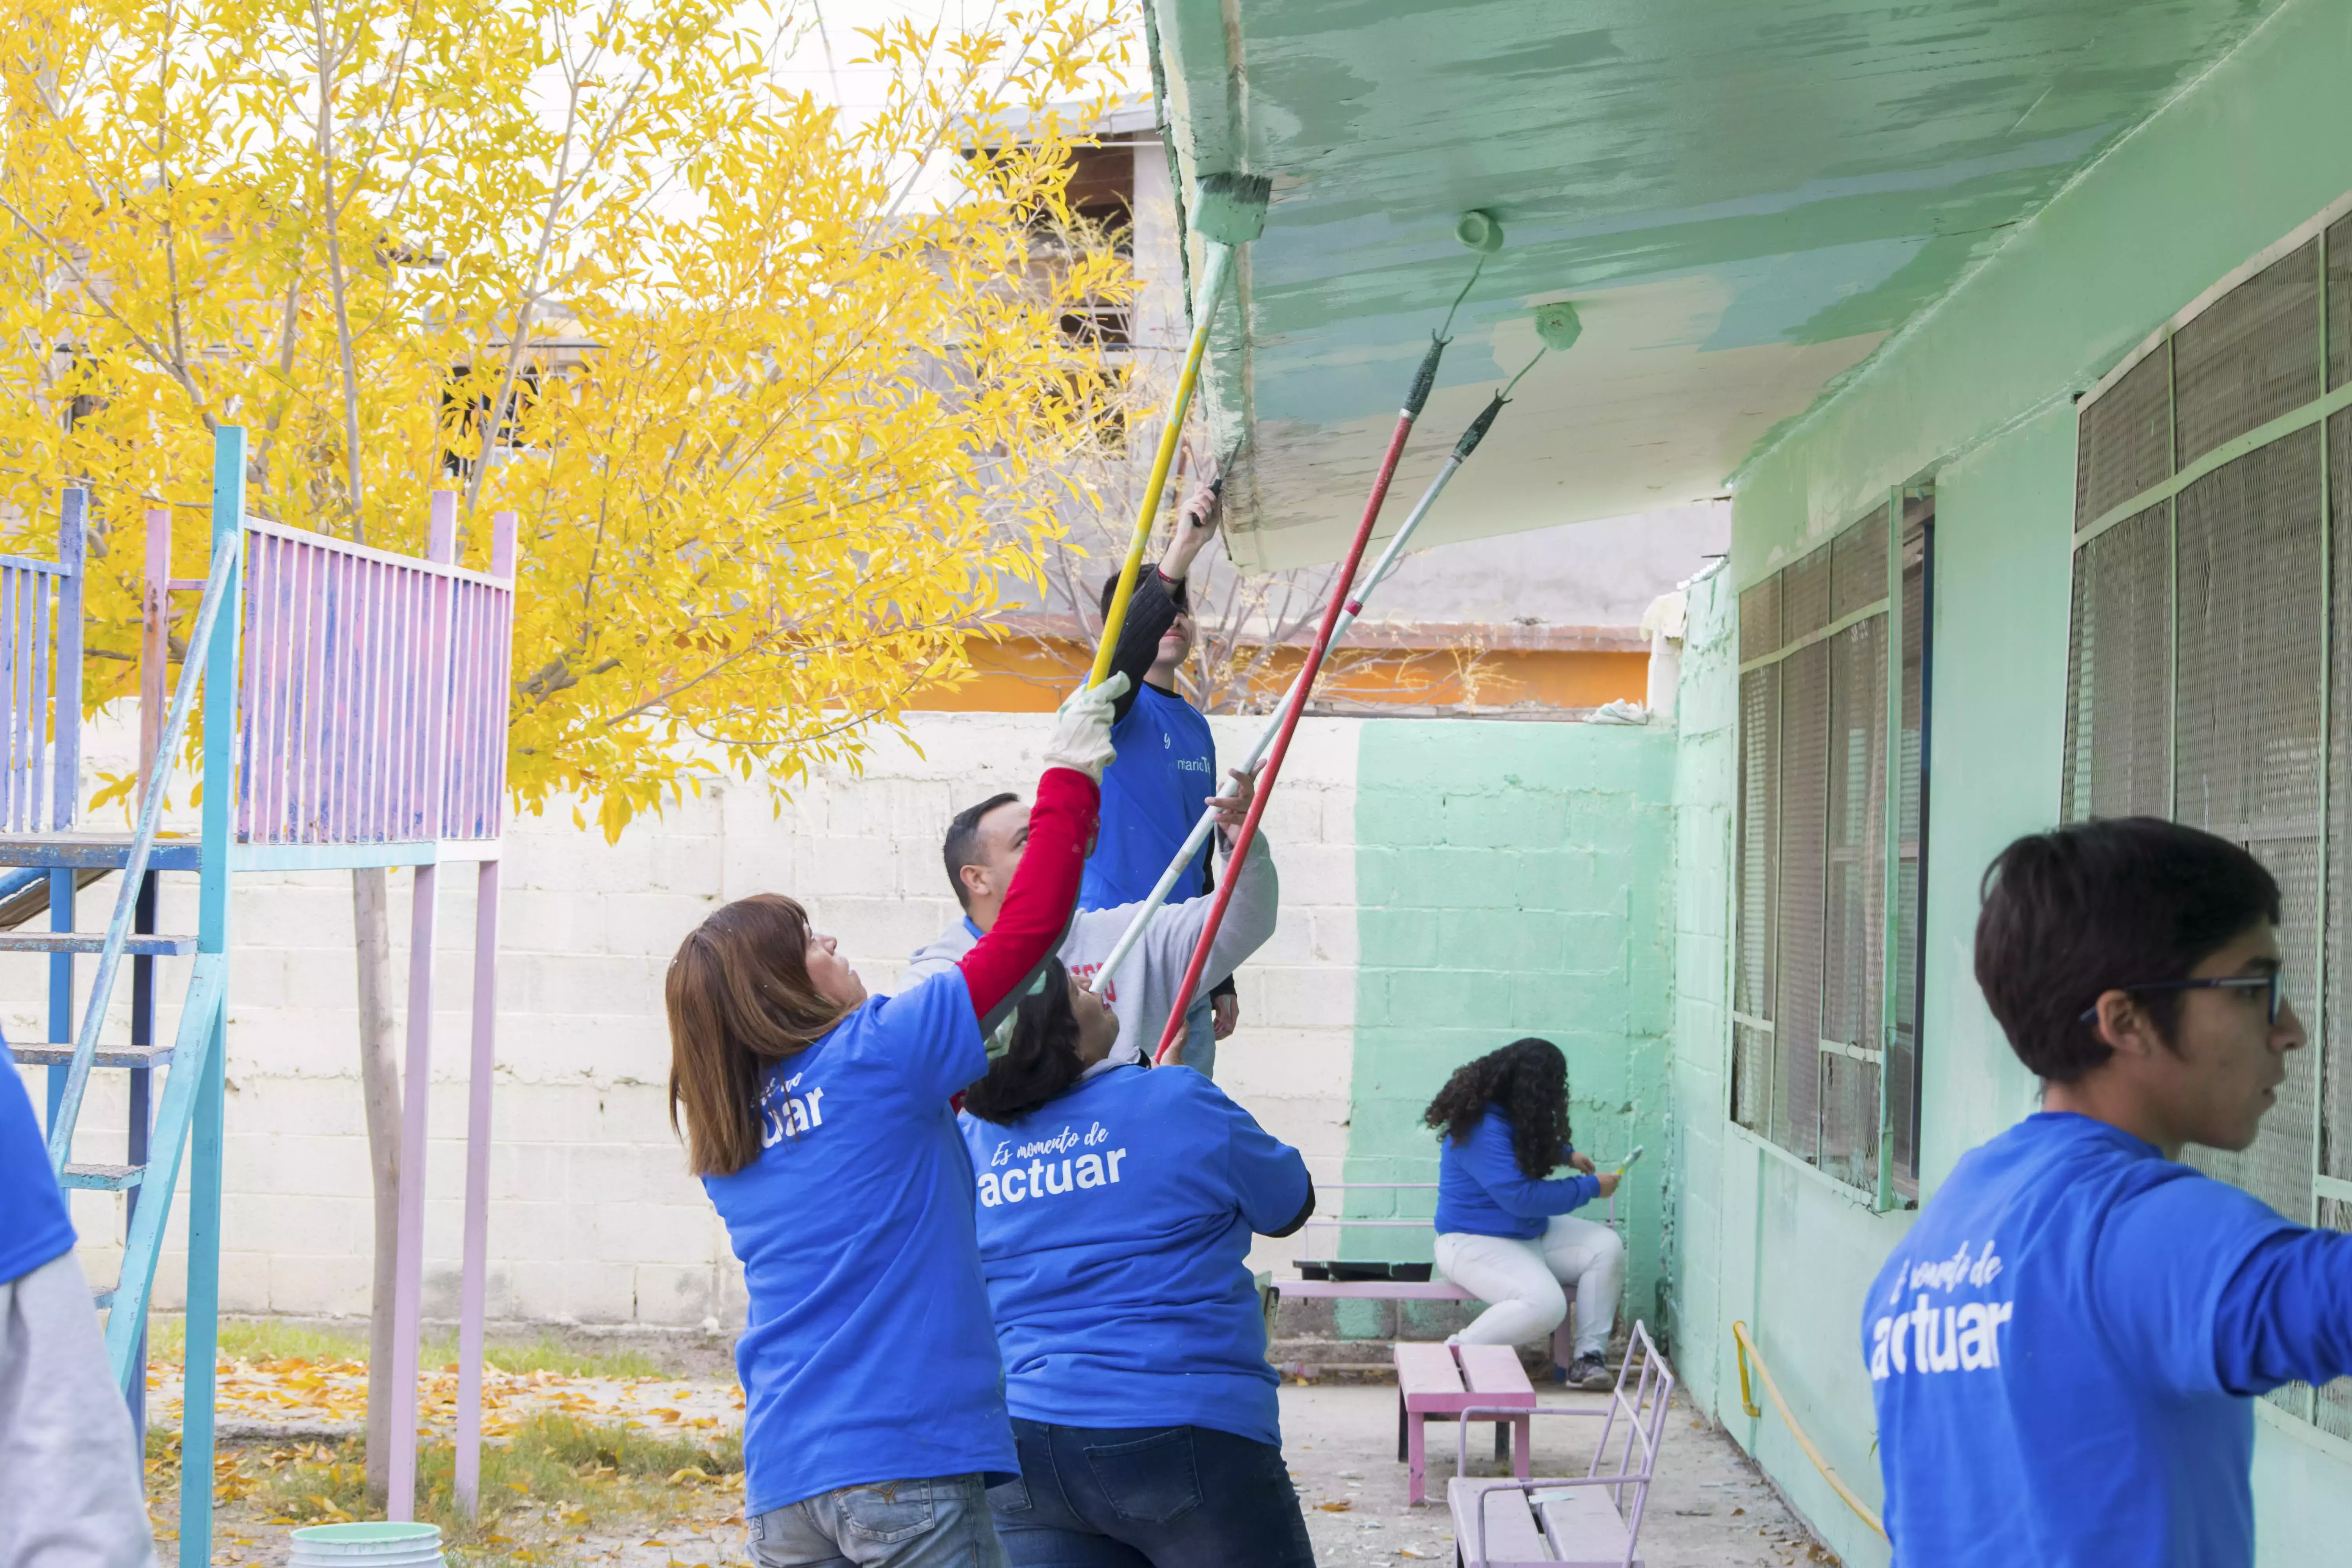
1557 325
1481 231
1231 208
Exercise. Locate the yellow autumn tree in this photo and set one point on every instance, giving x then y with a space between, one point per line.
779 393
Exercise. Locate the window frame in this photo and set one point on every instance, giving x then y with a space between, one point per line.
2094 582
1907 519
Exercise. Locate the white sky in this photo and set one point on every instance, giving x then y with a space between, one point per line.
861 88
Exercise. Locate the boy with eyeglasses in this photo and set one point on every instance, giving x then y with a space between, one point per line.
2064 1349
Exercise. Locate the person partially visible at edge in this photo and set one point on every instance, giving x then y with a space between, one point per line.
70 1488
1115 1210
818 1119
982 852
1152 797
2066 1347
1507 1229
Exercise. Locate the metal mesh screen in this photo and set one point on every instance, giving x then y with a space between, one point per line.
2339 302
1853 897
2124 441
2247 757
2119 672
1815 766
1759 619
1858 566
2221 726
2247 754
2334 1406
1903 1050
2278 1168
1760 770
1805 595
1797 926
2249 357
2335 1072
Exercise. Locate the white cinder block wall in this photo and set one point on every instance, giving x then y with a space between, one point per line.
593 1219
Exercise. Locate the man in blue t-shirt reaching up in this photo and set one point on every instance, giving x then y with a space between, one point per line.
1168 762
2065 1348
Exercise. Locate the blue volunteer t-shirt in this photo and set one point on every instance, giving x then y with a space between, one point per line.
1114 1225
1151 796
2046 1349
868 1356
1481 1191
33 1228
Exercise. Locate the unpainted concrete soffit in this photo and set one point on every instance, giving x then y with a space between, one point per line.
1742 200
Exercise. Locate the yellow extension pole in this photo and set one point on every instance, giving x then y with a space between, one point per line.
1213 288
1746 1350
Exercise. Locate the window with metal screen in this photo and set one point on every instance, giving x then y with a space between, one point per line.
2206 682
1833 659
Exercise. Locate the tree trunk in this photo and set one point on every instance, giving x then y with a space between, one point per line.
380 1089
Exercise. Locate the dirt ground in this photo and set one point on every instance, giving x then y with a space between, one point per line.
1710 1508
635 1462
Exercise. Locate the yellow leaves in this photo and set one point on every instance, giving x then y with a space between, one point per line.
779 396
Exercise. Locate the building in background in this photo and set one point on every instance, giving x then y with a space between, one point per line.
1544 624
2020 333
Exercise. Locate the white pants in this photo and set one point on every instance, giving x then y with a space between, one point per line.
1522 1281
69 1485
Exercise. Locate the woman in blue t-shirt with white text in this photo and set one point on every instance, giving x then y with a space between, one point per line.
819 1121
1116 1209
1506 1232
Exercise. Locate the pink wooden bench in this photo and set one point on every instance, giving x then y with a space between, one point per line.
1593 1520
1434 1289
1443 1381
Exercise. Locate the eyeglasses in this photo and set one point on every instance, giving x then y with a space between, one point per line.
2265 983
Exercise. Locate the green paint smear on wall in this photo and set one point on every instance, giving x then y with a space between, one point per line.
1511 880
1640 139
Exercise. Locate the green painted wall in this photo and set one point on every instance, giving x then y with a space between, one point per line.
1977 398
1512 879
1707 712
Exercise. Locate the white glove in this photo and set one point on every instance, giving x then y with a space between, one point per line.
1082 731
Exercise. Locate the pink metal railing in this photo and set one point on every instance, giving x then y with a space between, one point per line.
374 688
40 662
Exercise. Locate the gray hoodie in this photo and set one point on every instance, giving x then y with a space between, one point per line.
1141 991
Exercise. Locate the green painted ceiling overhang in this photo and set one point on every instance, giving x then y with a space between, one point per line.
1742 197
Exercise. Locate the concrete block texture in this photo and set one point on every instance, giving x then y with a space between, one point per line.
594 1217
1511 880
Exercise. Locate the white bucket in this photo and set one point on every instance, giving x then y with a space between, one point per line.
375 1545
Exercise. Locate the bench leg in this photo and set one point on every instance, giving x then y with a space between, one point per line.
1522 1444
1416 1466
1503 1440
1401 1421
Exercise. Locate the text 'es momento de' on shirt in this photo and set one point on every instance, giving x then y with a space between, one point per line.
1114 1222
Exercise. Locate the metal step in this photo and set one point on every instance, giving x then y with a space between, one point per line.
104 1178
25 892
50 1055
93 941
107 851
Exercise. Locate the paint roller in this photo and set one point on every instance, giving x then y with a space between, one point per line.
1557 328
1229 210
1416 398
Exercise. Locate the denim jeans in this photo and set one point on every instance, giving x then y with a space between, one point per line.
1148 1497
938 1523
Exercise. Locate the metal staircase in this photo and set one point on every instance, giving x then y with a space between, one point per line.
44 672
354 711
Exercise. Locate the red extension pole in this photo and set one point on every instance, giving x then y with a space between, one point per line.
1300 690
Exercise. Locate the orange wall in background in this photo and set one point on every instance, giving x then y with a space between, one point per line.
1032 675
